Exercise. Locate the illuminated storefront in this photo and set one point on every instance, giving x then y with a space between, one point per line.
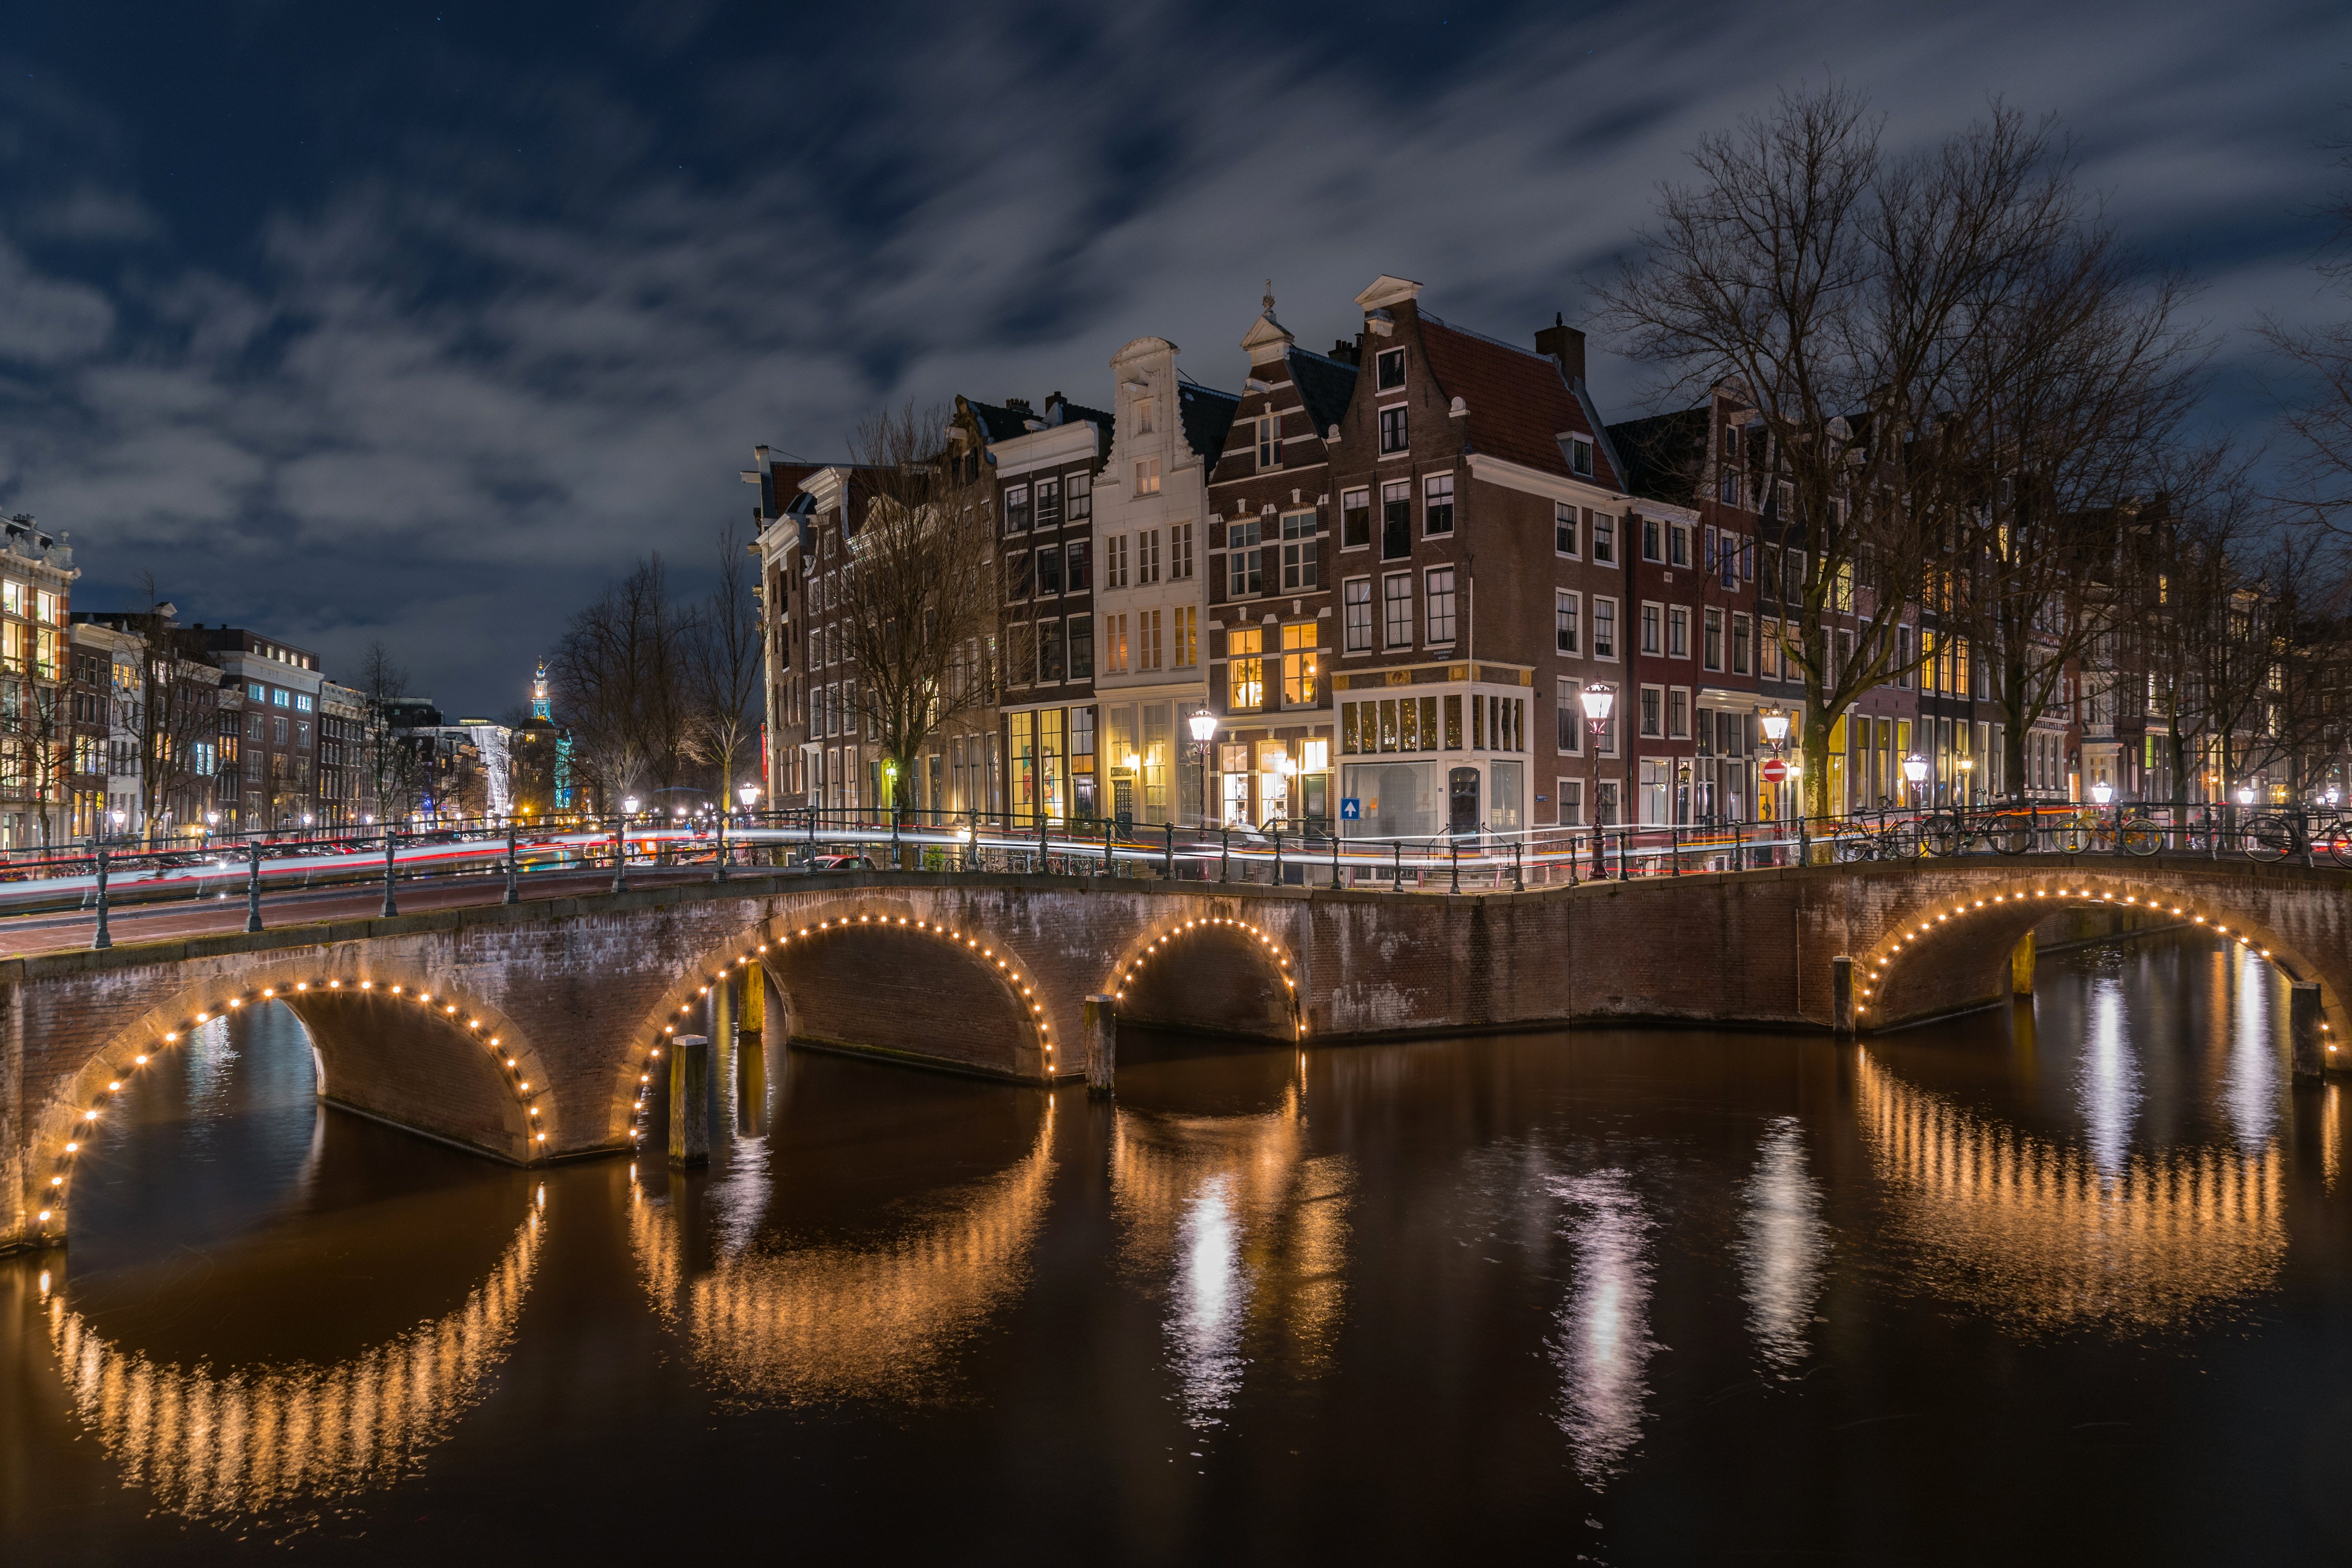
1050 757
1452 751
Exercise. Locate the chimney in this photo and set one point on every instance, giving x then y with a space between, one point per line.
1565 346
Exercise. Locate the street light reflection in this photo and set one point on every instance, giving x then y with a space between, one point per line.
1248 1231
1602 1345
1784 1243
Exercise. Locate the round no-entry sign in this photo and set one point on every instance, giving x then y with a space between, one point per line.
1774 770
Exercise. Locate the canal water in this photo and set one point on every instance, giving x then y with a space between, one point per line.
2071 1283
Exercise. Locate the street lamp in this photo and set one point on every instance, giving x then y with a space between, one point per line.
1969 780
1915 774
747 794
628 805
2245 794
1598 699
1774 722
1203 725
2102 793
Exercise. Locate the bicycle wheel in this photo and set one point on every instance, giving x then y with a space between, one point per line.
2140 836
2269 838
1849 847
2011 833
1940 834
2074 837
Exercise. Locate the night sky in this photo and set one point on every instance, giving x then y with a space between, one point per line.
349 320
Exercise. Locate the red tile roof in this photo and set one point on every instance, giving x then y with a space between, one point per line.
1519 404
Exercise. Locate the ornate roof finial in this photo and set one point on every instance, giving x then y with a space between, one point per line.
1269 296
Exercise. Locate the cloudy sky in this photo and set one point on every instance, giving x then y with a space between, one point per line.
421 322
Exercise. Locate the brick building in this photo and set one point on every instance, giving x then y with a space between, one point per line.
1272 505
1461 462
1048 470
272 689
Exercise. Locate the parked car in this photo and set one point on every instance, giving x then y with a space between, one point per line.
841 863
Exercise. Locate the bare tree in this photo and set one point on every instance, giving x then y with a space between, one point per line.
172 715
618 678
918 588
1880 314
724 668
394 771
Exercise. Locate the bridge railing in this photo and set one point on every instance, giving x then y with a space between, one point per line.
1314 853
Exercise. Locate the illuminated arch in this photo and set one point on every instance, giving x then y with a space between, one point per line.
755 948
76 1116
1997 913
208 1443
1154 945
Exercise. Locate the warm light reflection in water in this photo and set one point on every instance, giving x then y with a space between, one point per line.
1784 1243
2045 1234
1246 1233
256 1439
808 1324
1602 1345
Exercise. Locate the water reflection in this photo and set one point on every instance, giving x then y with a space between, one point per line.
1244 1230
2041 1234
2108 1080
778 1321
2250 1087
1602 1345
258 1438
1784 1243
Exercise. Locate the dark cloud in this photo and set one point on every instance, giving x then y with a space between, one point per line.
422 325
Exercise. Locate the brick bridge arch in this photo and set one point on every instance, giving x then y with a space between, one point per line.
1200 970
389 1039
1946 948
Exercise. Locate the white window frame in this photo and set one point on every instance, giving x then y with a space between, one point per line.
1429 592
1566 605
1346 606
1389 614
1608 601
1564 516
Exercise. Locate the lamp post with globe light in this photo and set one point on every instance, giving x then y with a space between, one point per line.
1203 725
621 844
1598 700
1915 774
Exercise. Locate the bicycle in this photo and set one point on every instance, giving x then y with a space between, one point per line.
1859 841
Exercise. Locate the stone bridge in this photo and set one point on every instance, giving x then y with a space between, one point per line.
531 1032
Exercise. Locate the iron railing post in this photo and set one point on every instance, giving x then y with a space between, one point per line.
1673 850
514 893
621 856
103 938
1624 855
1335 859
1167 852
1225 855
391 839
253 891
720 875
1277 857
1397 885
1454 849
1518 879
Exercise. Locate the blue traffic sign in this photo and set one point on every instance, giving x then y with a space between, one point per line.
1350 809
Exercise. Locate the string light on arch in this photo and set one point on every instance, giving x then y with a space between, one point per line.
232 1005
1896 941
